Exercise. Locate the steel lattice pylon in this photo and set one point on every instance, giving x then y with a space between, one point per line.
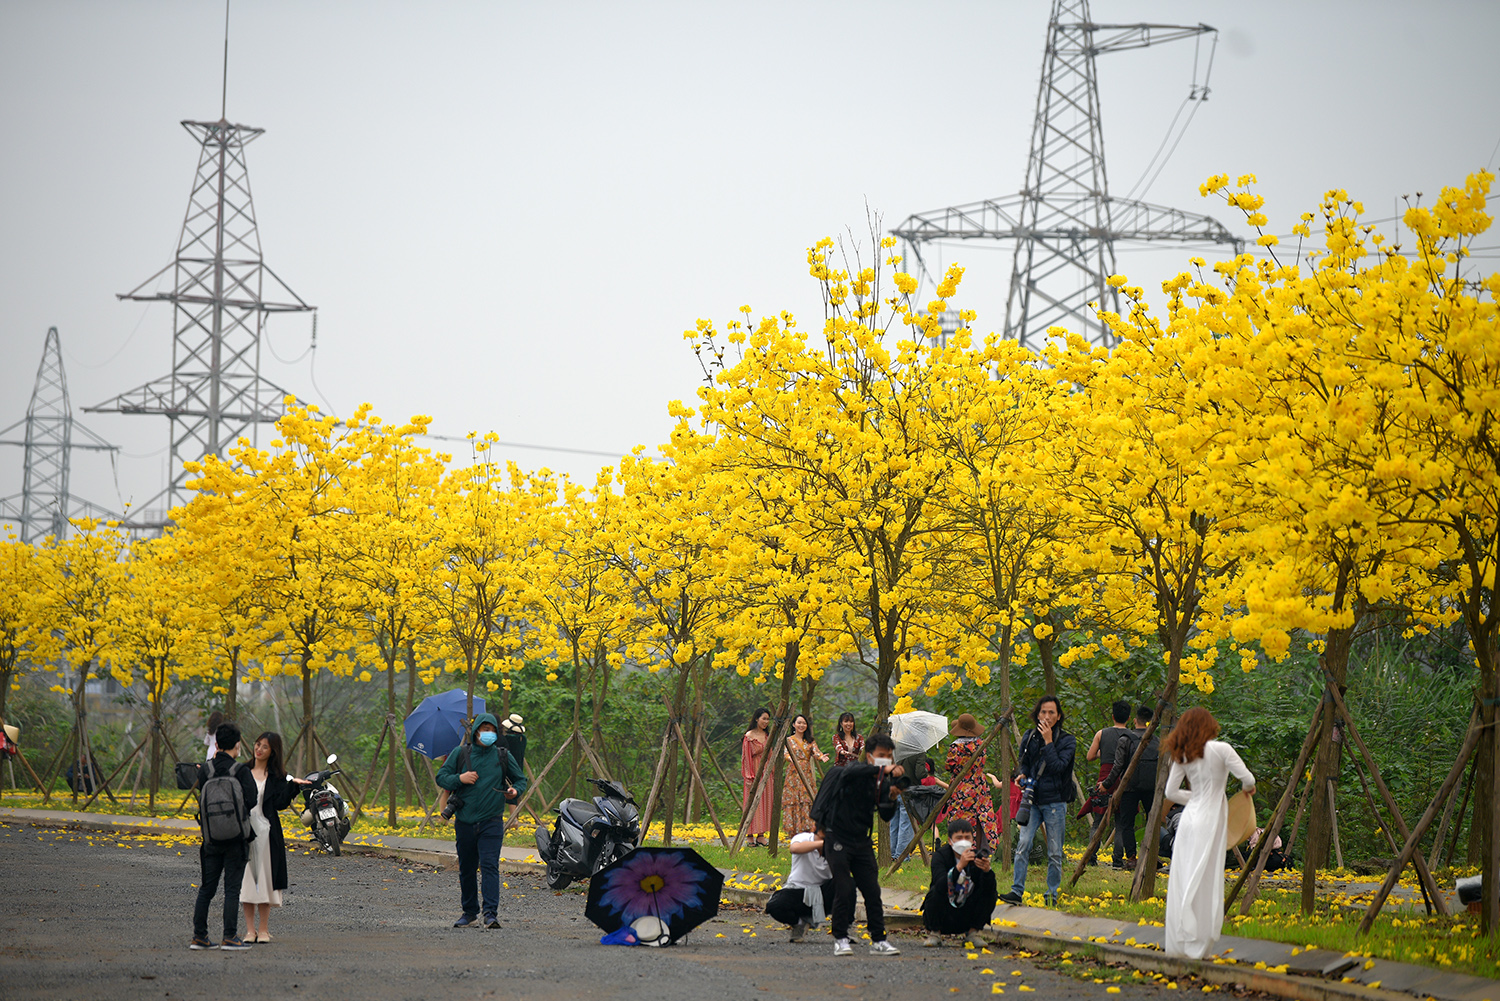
1064 223
45 505
222 291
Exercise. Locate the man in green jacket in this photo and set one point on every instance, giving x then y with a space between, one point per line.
484 775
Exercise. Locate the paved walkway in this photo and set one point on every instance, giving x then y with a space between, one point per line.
1272 967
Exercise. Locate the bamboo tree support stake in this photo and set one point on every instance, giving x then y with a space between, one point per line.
713 760
20 756
937 810
762 773
657 777
99 789
1262 850
421 799
1105 824
536 782
1458 823
1333 822
1301 809
702 786
1424 873
359 804
1385 829
1471 740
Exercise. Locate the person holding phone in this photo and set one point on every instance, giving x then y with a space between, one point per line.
1046 761
961 895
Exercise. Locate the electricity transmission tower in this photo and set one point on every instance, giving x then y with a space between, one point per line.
44 505
1064 223
222 292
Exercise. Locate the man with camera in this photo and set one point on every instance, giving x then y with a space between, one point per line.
1046 769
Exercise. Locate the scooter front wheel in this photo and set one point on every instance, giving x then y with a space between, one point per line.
556 878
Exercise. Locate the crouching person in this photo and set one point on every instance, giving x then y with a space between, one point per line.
807 895
962 894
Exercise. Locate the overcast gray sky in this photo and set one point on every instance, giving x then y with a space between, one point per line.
508 213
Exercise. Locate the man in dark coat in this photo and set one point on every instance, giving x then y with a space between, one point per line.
223 860
961 895
1046 762
484 774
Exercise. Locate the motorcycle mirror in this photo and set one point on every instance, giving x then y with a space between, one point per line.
332 758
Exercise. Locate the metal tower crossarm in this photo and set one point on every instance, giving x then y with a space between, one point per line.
222 291
1063 222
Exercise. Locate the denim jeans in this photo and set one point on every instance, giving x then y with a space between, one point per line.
226 862
479 848
1055 816
901 831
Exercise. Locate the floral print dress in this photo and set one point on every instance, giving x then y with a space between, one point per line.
971 797
797 794
843 753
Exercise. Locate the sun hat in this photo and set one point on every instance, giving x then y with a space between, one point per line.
14 733
513 723
966 726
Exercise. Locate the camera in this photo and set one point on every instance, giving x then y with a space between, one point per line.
454 804
1023 812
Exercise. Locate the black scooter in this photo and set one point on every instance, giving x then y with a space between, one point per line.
324 810
589 836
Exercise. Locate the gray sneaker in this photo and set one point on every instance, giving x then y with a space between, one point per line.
798 930
841 947
933 941
883 948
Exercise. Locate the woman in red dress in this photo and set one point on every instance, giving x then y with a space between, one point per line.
752 750
848 745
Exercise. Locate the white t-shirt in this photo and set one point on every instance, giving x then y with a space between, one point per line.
808 868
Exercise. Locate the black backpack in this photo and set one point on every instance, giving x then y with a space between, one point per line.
223 816
1144 779
825 805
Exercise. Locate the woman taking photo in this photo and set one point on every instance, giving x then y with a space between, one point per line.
265 871
848 745
752 751
1195 891
797 793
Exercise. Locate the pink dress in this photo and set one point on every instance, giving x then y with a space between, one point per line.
759 822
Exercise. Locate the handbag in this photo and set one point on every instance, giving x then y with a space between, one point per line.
188 773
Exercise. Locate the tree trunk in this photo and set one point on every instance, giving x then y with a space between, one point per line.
395 749
309 752
231 696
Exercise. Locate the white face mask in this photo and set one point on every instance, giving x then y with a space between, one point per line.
880 762
959 847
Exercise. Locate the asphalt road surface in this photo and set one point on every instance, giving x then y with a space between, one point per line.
86 915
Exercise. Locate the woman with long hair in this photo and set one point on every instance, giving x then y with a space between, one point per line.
848 745
1195 890
802 782
265 871
752 750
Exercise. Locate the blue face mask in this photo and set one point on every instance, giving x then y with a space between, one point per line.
487 738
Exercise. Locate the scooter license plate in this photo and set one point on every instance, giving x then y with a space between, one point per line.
327 814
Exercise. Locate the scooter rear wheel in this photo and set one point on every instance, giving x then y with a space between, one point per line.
331 837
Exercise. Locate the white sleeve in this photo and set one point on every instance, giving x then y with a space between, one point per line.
1174 790
1236 766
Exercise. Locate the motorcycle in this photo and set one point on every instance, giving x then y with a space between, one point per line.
589 836
324 810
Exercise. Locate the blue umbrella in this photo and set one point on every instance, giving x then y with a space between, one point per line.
438 725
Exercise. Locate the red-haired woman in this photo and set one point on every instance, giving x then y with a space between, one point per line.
1195 891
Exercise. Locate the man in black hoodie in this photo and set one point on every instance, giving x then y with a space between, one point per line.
1046 761
845 805
224 859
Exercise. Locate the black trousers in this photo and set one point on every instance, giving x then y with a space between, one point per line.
787 907
228 862
854 867
1131 803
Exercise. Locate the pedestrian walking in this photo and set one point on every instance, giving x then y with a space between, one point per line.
210 743
797 791
1102 750
1046 763
848 745
1141 793
265 877
970 797
1195 893
847 801
752 751
961 895
226 796
807 895
481 772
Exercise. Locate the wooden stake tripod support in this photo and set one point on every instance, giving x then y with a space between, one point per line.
536 781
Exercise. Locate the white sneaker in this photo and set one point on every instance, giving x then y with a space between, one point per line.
883 948
841 947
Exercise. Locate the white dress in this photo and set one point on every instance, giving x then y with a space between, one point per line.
256 887
1195 890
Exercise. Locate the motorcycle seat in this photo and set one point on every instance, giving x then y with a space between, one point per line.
579 812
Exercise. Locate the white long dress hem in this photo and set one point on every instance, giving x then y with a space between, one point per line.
1195 888
256 887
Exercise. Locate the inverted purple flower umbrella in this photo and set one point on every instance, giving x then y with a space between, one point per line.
677 886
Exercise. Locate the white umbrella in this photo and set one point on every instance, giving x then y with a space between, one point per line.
916 731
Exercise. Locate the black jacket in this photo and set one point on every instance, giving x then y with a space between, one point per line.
854 792
279 796
1054 784
220 765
